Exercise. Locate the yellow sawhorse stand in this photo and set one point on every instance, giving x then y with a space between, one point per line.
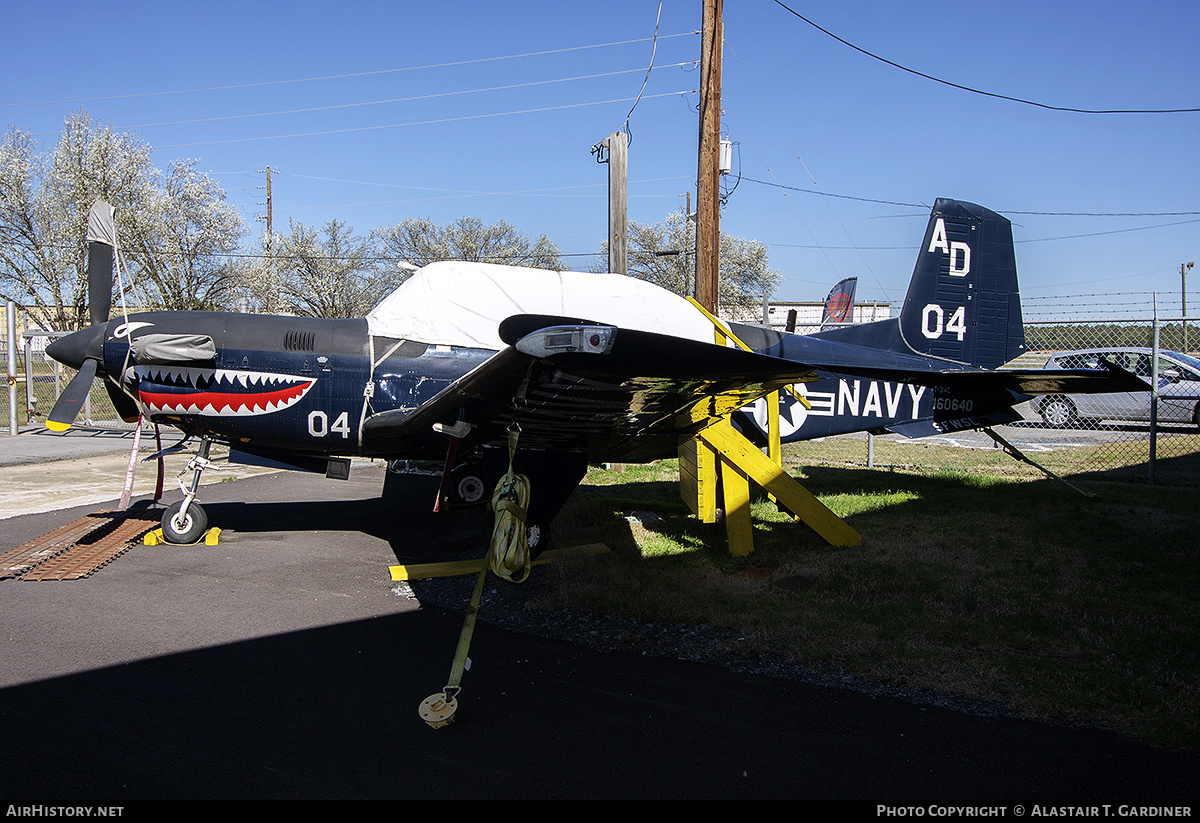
721 455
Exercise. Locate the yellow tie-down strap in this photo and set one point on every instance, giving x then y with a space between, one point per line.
455 568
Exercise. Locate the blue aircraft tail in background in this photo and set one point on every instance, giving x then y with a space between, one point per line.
839 304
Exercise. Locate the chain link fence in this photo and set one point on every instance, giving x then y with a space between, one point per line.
40 380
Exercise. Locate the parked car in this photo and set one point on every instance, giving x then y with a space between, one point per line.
1178 388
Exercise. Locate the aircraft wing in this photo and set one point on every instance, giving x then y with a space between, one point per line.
612 393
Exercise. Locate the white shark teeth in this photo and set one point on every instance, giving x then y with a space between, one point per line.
219 392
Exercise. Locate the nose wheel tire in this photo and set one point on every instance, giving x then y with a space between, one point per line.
467 487
186 529
535 539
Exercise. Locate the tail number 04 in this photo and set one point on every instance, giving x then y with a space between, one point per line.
318 424
934 322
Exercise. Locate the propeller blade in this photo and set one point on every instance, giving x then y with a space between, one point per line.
101 240
66 409
123 403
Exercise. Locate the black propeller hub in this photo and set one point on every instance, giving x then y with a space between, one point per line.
85 344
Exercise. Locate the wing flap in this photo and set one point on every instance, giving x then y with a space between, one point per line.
1032 382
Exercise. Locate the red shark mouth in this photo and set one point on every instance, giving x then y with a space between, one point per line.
218 392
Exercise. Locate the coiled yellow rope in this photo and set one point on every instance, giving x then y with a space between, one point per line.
508 554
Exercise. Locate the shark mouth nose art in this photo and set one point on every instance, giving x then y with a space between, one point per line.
220 392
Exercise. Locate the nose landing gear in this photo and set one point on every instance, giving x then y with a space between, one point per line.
184 522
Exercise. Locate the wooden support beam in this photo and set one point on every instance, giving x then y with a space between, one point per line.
735 491
698 479
737 450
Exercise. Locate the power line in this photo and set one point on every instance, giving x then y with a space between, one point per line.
453 194
414 98
979 91
1103 233
418 122
839 196
341 76
284 256
650 68
1106 214
1027 240
1001 211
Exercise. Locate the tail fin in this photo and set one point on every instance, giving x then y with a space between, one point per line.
963 304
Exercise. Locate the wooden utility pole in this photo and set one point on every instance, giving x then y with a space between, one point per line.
618 201
270 203
270 307
708 214
268 200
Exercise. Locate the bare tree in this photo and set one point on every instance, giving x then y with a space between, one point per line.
169 228
664 254
182 244
337 275
44 203
419 241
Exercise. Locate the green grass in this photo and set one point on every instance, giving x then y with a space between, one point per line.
979 585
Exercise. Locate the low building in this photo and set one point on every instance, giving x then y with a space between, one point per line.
808 315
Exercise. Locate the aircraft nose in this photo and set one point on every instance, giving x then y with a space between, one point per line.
78 346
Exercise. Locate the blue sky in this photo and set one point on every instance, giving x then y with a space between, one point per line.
447 109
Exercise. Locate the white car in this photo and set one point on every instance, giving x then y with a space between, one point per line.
1178 388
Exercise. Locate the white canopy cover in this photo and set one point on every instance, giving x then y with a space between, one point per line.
455 303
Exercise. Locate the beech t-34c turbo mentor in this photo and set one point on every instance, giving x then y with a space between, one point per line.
587 367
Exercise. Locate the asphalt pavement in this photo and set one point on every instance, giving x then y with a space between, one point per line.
284 664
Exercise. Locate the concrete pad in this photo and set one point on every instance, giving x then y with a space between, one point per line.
42 473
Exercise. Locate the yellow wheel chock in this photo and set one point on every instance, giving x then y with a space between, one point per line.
212 537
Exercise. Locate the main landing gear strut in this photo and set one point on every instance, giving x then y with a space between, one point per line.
186 521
